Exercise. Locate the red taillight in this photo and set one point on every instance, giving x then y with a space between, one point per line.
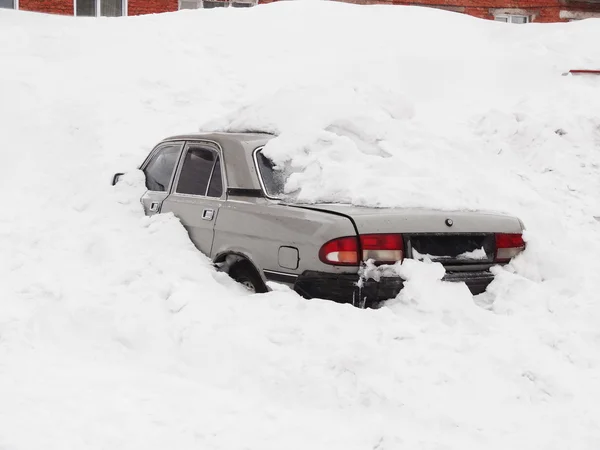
382 248
340 252
508 246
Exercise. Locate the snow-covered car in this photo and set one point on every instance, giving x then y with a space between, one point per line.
229 197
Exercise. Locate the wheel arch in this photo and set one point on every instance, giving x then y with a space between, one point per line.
237 257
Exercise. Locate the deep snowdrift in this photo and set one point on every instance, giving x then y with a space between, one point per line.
115 332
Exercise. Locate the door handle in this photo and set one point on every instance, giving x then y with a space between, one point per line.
208 214
154 206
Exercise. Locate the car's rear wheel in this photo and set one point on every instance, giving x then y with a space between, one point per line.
245 274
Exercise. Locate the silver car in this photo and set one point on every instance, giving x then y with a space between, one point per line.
227 195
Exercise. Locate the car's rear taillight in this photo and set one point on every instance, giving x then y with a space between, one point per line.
382 248
340 252
508 246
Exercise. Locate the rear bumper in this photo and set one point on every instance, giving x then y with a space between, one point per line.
477 282
342 288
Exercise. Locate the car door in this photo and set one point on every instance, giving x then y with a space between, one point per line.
159 169
198 192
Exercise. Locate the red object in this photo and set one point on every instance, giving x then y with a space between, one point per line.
382 248
137 7
508 246
535 10
340 252
584 72
66 7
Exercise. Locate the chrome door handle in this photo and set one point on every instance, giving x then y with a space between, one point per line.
208 214
154 206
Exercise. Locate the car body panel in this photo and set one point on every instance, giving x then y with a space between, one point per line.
259 227
421 220
152 201
198 215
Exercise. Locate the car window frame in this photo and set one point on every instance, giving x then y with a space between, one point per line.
208 145
259 173
154 152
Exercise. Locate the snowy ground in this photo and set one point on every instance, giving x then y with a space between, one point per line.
116 333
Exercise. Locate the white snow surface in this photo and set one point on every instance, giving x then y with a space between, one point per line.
116 333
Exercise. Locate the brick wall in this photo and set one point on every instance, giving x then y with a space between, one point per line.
137 7
48 6
541 10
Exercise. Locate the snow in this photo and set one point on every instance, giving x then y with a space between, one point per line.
116 333
477 254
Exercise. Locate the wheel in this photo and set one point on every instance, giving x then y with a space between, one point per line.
245 274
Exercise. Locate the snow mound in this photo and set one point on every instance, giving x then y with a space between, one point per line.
362 145
116 333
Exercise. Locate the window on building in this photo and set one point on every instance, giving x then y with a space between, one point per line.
111 8
189 4
105 8
85 7
208 4
512 18
214 4
10 4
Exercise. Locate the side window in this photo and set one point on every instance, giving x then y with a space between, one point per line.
273 179
196 173
160 169
216 183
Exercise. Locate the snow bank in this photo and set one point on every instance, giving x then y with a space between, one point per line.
115 332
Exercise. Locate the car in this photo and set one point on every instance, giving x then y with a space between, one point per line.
228 196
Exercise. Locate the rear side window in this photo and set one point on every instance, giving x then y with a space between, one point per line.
160 168
215 188
201 173
273 179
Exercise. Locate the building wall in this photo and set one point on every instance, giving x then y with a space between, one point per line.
135 7
48 6
539 10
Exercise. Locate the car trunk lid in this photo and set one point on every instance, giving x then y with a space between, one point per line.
421 220
460 240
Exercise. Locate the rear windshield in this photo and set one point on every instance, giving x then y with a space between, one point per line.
273 178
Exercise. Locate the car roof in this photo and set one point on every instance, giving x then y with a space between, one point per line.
238 149
255 137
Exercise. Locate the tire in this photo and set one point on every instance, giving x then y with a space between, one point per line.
245 274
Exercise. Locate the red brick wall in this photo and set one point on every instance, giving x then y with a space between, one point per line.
542 10
48 6
137 7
